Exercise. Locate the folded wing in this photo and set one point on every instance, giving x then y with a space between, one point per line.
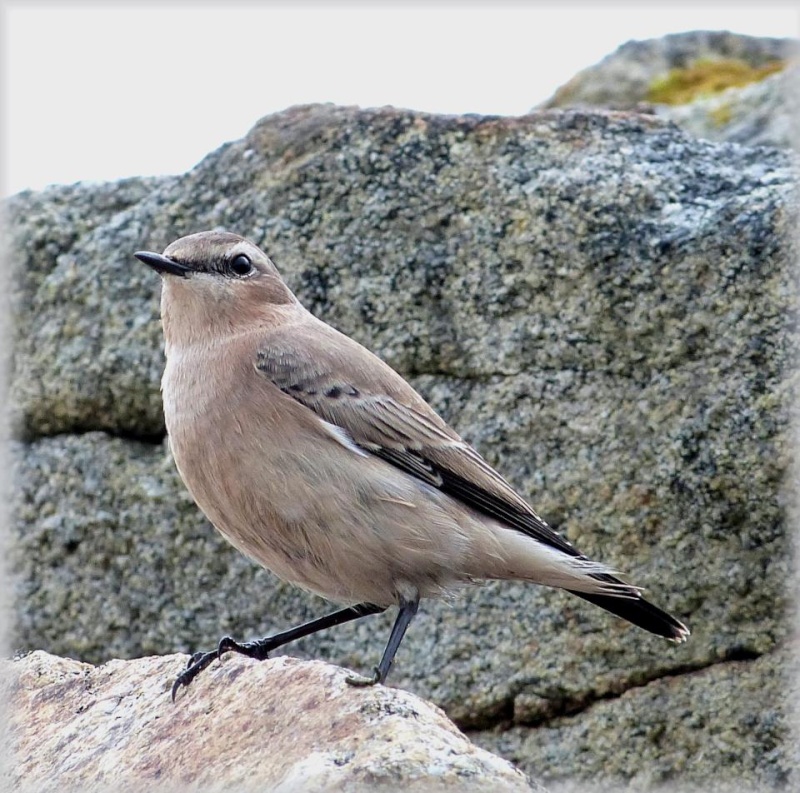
347 386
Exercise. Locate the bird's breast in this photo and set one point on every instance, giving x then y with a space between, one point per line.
289 494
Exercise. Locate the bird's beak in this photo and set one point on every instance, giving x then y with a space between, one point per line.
163 265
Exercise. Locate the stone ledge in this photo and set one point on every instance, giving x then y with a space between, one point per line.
281 725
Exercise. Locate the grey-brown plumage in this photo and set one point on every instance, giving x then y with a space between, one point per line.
320 462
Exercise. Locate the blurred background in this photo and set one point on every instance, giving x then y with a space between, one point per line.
100 93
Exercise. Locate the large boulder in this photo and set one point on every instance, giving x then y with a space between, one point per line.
601 303
731 717
285 725
763 113
716 84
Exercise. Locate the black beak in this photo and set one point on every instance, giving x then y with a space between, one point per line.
163 265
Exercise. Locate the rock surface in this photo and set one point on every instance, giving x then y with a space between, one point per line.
766 113
601 303
763 113
720 728
281 725
622 79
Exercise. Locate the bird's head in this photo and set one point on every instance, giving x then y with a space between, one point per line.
216 283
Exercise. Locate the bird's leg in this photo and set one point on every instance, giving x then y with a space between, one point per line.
408 608
261 648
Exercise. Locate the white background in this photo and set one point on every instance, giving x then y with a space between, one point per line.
99 92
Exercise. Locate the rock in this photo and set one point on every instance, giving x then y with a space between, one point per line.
765 113
601 303
63 308
684 77
624 78
730 723
282 725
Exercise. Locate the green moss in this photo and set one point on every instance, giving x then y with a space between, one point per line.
707 77
721 115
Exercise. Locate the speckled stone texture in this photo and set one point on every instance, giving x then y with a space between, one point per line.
85 728
600 302
665 731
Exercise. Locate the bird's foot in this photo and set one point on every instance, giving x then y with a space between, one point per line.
258 650
197 663
359 681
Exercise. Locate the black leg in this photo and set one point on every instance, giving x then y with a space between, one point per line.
261 648
407 611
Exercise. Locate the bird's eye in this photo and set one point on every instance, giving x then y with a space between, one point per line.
241 265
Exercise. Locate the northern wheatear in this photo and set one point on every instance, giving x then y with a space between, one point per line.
320 462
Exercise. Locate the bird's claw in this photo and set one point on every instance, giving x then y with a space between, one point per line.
226 643
195 657
197 663
360 681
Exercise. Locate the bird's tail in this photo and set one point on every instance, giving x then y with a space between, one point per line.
640 612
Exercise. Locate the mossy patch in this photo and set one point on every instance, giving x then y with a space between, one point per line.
722 115
707 77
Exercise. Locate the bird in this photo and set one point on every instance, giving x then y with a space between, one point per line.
320 462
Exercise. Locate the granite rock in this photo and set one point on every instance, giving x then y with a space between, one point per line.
600 302
762 113
622 79
284 725
727 727
766 113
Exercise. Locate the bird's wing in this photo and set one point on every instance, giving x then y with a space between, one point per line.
351 389
347 386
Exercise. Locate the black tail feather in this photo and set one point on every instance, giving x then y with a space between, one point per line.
641 613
